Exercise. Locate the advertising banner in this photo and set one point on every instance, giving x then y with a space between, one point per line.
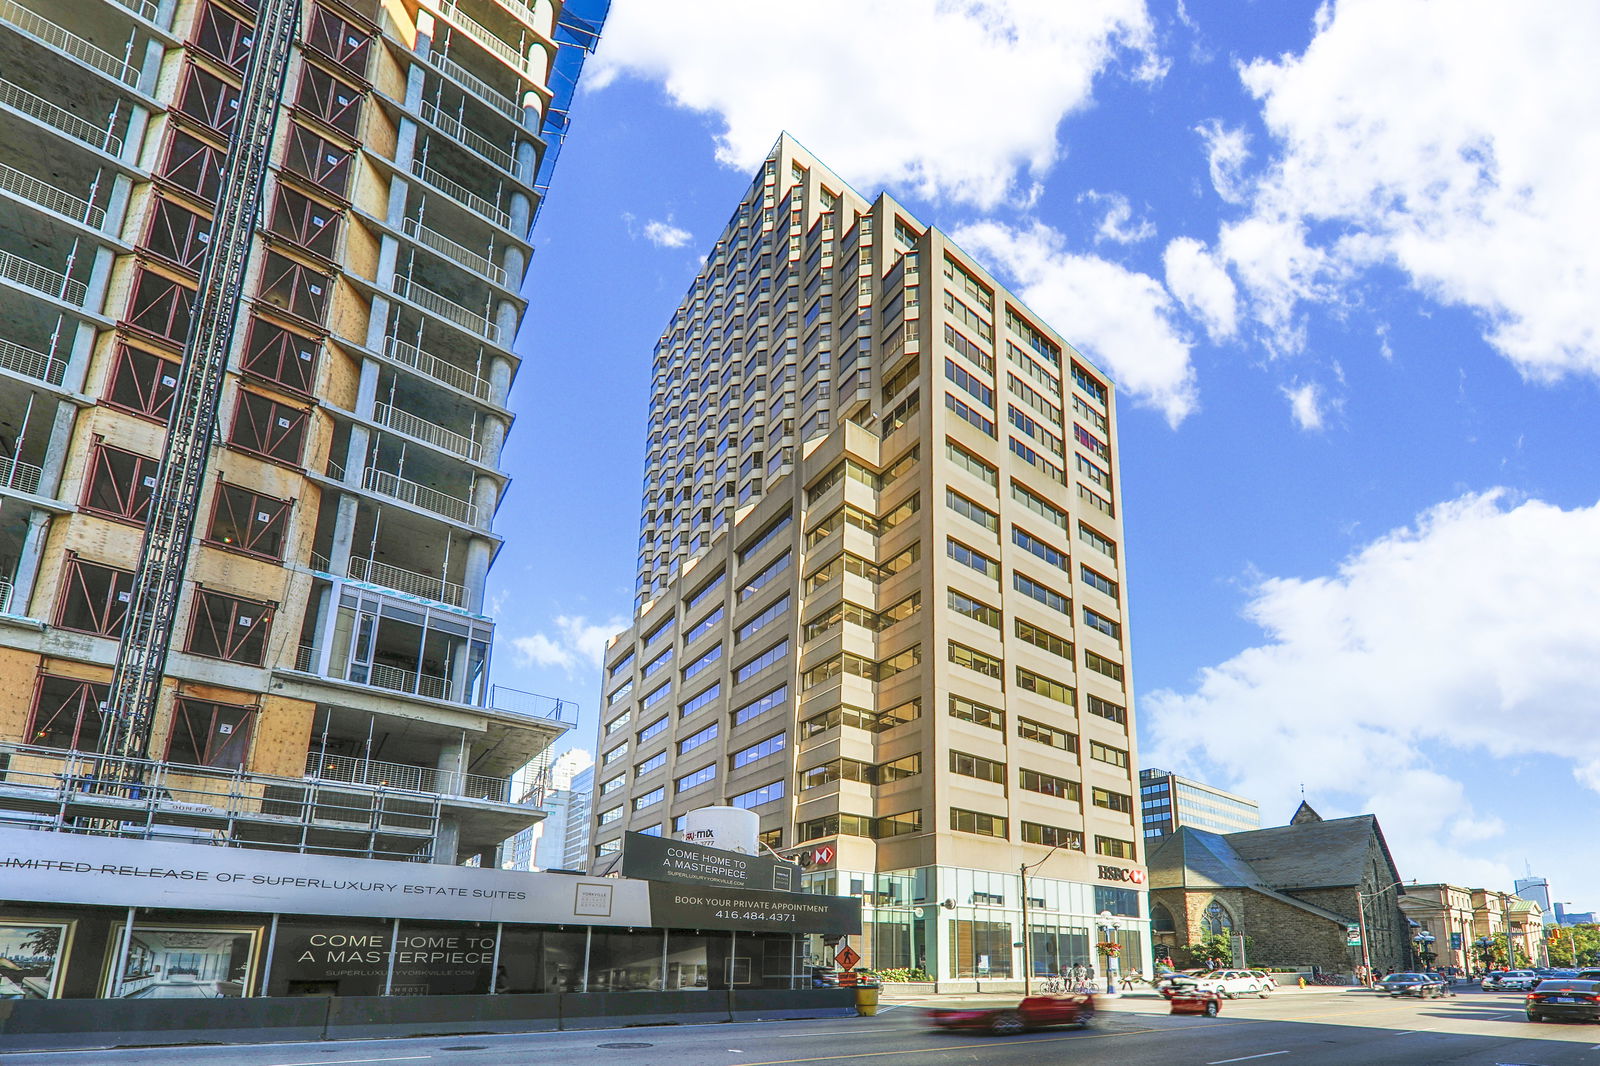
655 858
64 868
695 907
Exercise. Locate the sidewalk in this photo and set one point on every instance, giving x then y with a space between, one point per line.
919 997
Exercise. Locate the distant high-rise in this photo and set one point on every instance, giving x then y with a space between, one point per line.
260 271
881 594
1536 889
1167 801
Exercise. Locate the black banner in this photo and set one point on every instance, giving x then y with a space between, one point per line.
653 858
749 910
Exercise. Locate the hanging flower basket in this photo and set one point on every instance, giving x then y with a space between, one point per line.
1109 948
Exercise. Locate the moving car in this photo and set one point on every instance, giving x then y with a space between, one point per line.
1422 985
1232 983
1034 1012
1514 981
1565 997
1265 978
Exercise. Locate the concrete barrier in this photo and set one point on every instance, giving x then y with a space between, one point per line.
402 1016
60 1024
760 1004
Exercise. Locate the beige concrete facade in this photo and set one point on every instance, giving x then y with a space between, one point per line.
1459 917
881 593
331 626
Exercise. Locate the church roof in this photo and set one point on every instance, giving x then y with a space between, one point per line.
1304 814
1327 853
1195 859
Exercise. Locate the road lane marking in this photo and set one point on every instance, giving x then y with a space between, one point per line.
340 1062
925 1050
1247 1058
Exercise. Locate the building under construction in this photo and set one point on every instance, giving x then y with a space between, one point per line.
259 273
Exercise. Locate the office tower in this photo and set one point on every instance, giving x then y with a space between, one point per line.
880 587
259 271
1167 801
1534 888
575 847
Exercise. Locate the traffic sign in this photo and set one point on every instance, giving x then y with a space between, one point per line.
1352 935
847 958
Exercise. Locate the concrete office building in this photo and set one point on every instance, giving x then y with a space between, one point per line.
259 272
880 591
1536 889
1167 801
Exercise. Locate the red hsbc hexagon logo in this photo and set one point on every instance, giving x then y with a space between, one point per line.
822 855
1136 876
1119 873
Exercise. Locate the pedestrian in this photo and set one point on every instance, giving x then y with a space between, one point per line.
1127 981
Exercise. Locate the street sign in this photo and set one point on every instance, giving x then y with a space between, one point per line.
1455 941
1352 935
847 958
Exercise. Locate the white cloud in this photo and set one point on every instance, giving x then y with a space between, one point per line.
570 764
577 643
1121 319
1118 223
1227 152
1470 635
1455 142
958 101
1202 286
1305 403
665 234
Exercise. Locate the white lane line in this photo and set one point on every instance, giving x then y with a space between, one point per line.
1247 1058
340 1062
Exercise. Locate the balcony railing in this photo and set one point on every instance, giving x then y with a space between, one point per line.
35 364
422 429
31 275
408 778
23 477
436 368
36 25
424 297
427 586
49 197
461 194
145 9
456 253
440 503
478 87
533 705
455 128
480 34
5 595
413 681
35 106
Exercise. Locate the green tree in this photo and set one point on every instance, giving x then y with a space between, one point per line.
1213 946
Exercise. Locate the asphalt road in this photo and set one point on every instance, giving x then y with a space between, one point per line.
1474 1029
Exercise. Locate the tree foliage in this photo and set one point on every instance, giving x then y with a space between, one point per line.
1575 945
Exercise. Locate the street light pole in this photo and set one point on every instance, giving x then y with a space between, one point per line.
1072 843
1361 917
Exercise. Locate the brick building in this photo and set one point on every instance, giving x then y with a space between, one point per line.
1293 890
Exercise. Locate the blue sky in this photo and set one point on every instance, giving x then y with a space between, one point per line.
1338 259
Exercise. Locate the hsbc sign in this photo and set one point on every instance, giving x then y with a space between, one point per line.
821 855
1118 873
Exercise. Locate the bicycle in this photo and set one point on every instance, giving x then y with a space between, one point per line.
1053 986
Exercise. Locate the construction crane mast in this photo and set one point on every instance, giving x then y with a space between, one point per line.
169 529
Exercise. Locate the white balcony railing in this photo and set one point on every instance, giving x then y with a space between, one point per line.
480 34
463 77
35 106
23 477
58 37
404 776
476 262
413 681
424 297
440 503
437 369
461 194
5 595
427 586
34 364
49 197
422 429
477 142
31 275
145 9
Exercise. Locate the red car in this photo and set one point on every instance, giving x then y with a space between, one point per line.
1035 1012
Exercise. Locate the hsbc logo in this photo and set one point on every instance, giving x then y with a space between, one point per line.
821 855
1117 873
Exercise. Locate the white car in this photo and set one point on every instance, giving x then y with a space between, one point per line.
1265 978
1517 981
1233 983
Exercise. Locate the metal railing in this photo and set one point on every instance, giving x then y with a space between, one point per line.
415 682
406 777
481 35
35 106
461 194
35 24
5 595
49 197
456 253
437 369
463 77
422 296
305 658
35 364
422 429
145 9
440 503
402 580
477 142
533 705
23 477
31 275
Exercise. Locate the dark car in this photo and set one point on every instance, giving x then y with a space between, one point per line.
1412 984
1034 1012
1564 997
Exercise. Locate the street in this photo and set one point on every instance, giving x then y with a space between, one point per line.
1473 1029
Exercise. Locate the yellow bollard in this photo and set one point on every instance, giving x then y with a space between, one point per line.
866 1001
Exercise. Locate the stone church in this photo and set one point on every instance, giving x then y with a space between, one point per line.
1293 890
